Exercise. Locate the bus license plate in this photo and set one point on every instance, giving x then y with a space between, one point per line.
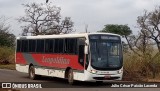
107 76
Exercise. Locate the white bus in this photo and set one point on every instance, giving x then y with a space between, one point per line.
84 57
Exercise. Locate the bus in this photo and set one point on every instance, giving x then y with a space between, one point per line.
94 57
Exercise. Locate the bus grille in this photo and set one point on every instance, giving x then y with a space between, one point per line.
103 78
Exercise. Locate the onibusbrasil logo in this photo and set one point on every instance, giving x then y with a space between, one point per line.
21 85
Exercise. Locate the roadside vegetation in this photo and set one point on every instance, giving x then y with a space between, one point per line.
7 58
141 69
142 51
39 19
7 42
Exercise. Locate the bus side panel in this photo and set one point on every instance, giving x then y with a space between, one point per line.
79 76
20 59
49 72
57 61
21 63
22 68
51 61
59 73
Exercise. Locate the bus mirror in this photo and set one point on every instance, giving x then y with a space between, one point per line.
123 43
86 42
86 50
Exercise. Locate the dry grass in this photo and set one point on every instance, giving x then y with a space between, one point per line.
141 68
8 66
7 55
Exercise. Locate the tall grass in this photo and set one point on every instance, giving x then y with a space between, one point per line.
138 68
7 55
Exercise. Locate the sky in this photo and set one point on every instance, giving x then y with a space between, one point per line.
94 13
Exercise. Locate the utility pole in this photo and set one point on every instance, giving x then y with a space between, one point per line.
86 28
47 1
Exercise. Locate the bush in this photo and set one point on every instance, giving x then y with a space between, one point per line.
140 68
7 55
132 66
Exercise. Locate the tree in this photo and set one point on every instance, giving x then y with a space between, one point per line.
122 30
44 19
47 1
6 38
138 44
150 22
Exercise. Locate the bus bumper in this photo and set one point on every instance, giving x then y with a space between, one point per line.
102 77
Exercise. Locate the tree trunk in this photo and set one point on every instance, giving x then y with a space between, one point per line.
158 46
130 47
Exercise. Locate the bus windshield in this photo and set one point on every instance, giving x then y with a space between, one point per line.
105 52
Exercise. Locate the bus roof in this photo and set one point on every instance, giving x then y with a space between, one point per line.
62 36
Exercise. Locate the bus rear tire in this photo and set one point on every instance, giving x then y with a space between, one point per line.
32 74
70 77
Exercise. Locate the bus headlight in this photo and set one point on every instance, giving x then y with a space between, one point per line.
93 71
120 71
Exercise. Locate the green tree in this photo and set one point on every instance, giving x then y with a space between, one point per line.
122 30
137 43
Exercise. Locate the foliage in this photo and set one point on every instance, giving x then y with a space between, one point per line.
44 19
6 38
137 68
122 30
6 55
138 44
142 60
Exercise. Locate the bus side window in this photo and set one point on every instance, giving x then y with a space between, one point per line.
56 48
19 45
74 46
49 45
81 46
59 46
70 46
24 46
32 45
40 46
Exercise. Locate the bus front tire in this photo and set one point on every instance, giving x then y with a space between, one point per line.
32 74
70 77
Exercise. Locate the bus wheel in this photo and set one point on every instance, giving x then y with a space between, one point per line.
32 74
70 77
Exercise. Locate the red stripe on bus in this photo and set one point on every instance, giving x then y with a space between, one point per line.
52 60
20 59
57 60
